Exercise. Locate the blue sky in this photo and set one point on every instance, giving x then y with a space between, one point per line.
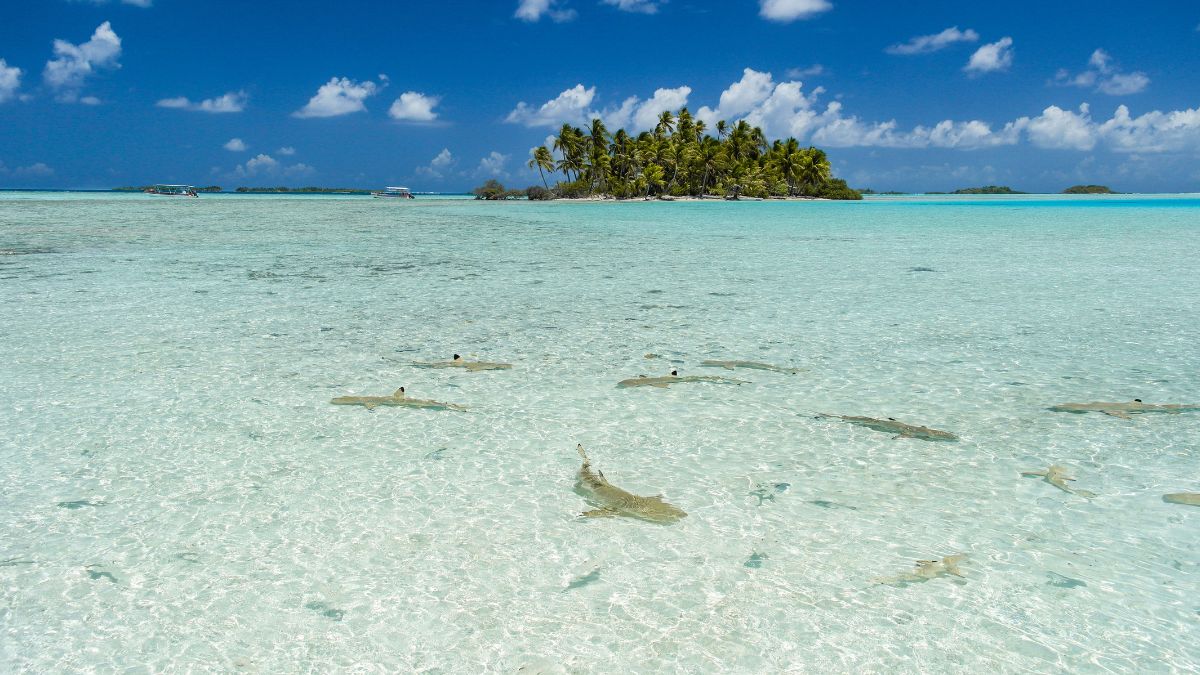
440 95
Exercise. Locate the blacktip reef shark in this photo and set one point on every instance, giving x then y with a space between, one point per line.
1188 498
1057 476
613 501
675 378
397 399
460 362
926 570
749 365
1124 410
891 426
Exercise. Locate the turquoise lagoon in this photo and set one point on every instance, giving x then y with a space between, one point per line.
179 495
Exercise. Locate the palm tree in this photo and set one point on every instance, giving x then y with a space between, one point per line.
678 157
666 124
814 168
709 156
652 177
542 159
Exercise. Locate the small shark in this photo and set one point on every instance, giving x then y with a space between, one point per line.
674 378
613 501
891 426
925 571
1124 410
459 362
397 399
750 365
1057 476
1189 498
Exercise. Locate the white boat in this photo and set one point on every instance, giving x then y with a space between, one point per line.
393 193
172 191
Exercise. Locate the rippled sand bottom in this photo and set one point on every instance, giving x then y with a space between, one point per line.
178 493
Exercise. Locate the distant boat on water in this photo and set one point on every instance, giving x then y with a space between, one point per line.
393 193
172 190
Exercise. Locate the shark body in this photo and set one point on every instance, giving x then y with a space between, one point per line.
1124 410
1188 498
397 399
749 365
927 570
892 426
674 378
611 500
459 362
1057 476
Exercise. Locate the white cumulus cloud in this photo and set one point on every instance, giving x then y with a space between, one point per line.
286 151
338 96
237 145
259 164
232 102
74 63
642 115
569 106
791 10
266 166
1062 129
991 57
492 165
1155 131
414 106
1104 77
534 10
438 166
10 81
640 6
924 44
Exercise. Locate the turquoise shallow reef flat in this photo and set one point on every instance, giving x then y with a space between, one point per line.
178 493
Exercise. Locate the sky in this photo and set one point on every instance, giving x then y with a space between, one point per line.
440 95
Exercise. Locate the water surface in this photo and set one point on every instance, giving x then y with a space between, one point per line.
178 493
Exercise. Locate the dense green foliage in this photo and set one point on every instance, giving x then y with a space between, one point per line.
987 190
679 158
538 194
1088 190
493 190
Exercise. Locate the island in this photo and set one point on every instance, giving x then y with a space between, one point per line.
987 190
680 157
1089 190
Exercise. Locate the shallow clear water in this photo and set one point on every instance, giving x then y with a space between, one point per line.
178 493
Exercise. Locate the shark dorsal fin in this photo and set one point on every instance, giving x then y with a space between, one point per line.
399 393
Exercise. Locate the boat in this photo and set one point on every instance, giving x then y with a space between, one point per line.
393 193
172 190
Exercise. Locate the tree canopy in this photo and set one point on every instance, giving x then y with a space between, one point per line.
680 158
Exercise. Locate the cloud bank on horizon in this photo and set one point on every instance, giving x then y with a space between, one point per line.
1103 104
